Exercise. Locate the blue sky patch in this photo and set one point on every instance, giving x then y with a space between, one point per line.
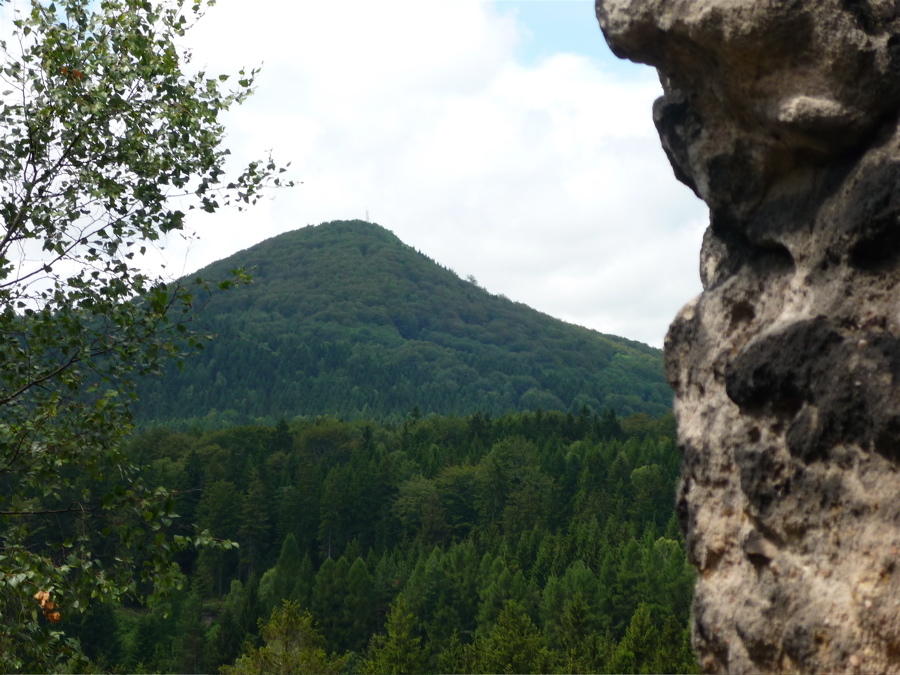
556 26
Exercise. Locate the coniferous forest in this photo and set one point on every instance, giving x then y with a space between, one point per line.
369 537
532 542
343 318
363 536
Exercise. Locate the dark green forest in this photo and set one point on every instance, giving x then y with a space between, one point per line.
389 527
530 542
345 319
370 465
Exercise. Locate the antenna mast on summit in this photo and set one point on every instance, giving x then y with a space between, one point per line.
367 215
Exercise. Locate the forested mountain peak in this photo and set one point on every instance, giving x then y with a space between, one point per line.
345 318
360 265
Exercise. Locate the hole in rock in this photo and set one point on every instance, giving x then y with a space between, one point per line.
879 250
863 14
776 256
741 312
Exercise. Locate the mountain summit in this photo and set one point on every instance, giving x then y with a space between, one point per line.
344 318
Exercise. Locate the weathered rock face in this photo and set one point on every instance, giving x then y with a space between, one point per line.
783 116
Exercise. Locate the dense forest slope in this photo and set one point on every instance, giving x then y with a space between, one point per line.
344 318
539 542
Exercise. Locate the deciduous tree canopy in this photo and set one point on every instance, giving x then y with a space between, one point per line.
105 144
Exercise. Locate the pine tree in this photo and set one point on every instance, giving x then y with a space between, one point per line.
450 660
298 504
359 606
333 505
279 582
247 609
219 512
513 645
494 592
609 427
223 641
302 591
637 650
400 650
292 646
585 649
579 579
630 576
553 599
254 529
674 654
281 437
190 635
462 585
329 602
289 567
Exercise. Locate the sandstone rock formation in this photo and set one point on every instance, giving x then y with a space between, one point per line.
783 116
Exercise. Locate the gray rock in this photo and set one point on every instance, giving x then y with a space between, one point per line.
783 116
756 87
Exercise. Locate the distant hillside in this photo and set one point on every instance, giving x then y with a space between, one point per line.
344 318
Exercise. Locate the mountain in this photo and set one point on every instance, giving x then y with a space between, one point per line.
344 318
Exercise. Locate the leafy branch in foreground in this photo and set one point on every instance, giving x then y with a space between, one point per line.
105 144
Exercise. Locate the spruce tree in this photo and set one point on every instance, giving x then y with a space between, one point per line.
359 606
513 645
254 524
400 650
636 652
288 568
292 645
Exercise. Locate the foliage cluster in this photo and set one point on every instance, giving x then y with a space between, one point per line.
532 542
345 319
105 145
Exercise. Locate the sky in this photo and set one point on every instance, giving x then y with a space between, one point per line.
500 138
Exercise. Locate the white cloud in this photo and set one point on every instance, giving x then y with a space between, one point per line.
544 181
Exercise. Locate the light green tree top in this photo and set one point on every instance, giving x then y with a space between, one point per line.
292 645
